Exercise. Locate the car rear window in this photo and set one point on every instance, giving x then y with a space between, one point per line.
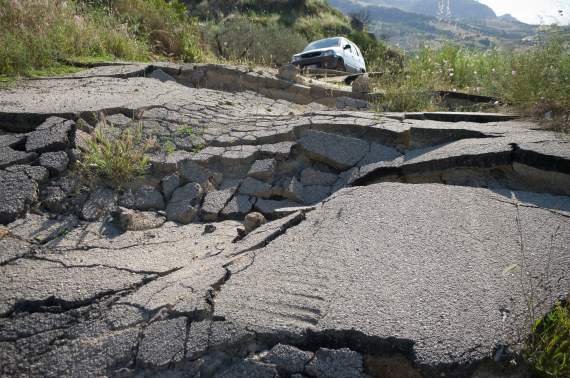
323 44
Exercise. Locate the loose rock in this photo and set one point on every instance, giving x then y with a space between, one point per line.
101 202
184 205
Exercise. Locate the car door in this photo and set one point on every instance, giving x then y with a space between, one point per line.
349 58
360 65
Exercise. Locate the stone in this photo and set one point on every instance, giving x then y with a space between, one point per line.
160 75
169 184
19 192
288 358
315 193
362 84
378 153
190 171
132 220
345 103
168 163
12 140
118 120
329 363
263 169
334 150
268 207
101 203
214 203
163 343
36 173
184 205
9 157
290 188
144 197
55 162
237 207
311 176
55 134
209 228
288 72
253 187
253 221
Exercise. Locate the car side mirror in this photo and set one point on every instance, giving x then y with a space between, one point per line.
347 47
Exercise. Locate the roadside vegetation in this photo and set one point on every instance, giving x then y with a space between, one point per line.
548 348
116 159
534 82
46 36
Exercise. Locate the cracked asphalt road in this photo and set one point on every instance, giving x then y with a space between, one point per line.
424 265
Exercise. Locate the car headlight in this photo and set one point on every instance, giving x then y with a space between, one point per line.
296 58
329 53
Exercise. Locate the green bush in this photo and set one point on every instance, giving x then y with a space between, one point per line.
244 39
548 349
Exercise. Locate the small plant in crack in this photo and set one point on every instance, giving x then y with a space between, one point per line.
169 147
547 349
188 131
116 159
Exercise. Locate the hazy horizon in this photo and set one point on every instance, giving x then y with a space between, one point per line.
532 11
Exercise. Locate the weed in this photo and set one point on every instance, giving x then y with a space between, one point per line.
169 147
189 131
116 160
548 348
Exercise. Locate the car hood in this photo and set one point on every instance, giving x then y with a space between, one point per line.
336 49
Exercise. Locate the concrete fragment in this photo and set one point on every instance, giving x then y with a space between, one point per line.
101 202
184 204
329 363
55 134
237 207
337 151
253 187
169 184
263 169
311 176
144 197
9 157
214 203
132 220
288 358
18 193
55 162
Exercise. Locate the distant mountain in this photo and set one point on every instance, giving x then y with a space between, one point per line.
455 9
410 24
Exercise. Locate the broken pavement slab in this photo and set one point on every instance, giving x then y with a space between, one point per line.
453 305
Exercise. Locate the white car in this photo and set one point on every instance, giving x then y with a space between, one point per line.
331 53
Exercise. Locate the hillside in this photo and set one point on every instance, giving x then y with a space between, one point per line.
410 24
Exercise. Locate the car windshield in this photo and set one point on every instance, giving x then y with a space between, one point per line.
323 44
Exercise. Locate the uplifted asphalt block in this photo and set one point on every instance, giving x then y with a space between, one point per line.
9 157
420 268
19 191
54 134
337 151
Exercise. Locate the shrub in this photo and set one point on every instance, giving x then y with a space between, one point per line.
242 39
117 160
548 349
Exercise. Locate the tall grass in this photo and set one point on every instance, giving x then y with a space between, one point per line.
533 81
44 34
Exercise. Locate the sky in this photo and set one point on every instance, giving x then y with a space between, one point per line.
533 11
